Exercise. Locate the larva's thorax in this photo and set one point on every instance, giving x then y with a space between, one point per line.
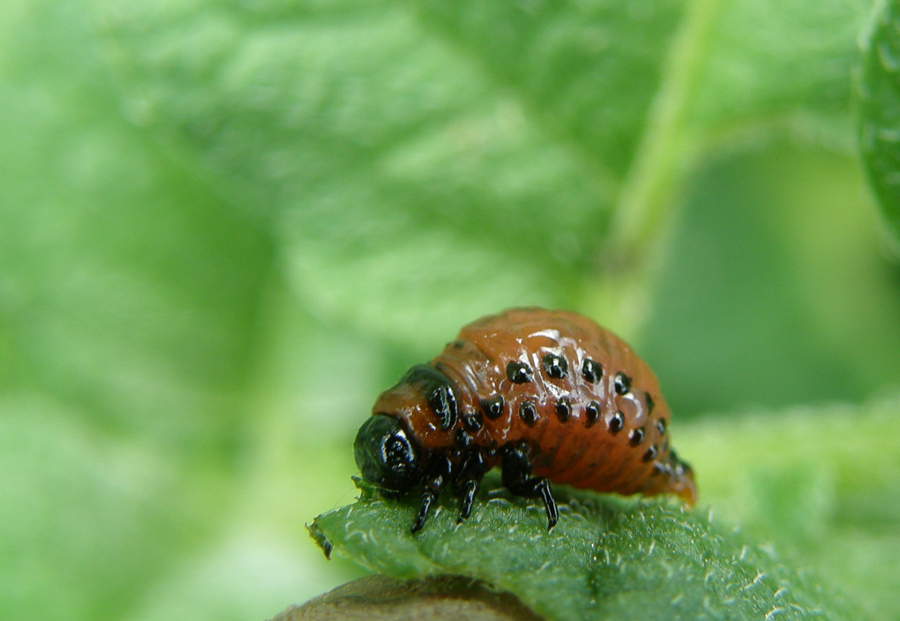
588 409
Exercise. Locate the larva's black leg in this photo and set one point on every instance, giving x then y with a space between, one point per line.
517 479
543 488
437 475
428 497
467 484
468 497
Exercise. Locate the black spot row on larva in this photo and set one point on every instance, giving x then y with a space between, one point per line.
556 367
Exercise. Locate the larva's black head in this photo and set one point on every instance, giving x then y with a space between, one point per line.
386 455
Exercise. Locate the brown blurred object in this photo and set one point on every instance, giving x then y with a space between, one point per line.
377 598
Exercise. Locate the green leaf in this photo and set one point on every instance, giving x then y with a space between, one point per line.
127 289
391 165
775 290
127 302
822 484
86 521
607 558
880 110
782 64
405 150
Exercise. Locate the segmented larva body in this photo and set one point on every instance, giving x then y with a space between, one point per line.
548 395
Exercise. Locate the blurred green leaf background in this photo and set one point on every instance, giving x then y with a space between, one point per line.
225 227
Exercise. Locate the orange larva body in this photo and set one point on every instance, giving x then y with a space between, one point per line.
575 402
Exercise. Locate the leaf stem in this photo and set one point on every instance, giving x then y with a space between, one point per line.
649 187
645 209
